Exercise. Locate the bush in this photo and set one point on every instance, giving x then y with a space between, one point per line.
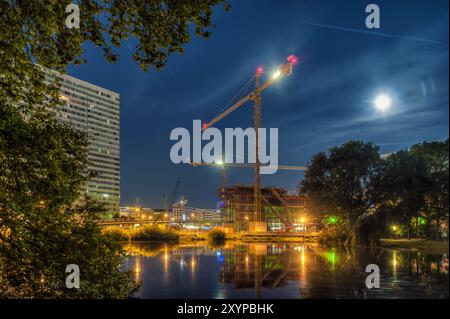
154 234
116 233
217 235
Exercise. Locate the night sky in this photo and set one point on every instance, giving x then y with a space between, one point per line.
325 102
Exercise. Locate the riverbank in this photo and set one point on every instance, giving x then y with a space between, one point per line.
155 235
429 246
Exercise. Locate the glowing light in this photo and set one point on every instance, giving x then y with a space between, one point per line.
382 102
332 220
394 228
302 220
276 75
292 59
204 126
421 220
259 70
64 98
219 162
331 257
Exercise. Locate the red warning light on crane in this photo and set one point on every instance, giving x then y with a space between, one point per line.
259 69
292 59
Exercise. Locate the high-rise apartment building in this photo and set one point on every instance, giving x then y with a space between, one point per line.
95 110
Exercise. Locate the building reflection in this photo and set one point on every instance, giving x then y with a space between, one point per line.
313 271
254 266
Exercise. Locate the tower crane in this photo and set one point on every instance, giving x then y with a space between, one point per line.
255 96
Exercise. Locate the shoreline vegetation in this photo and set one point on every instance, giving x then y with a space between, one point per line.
151 234
429 246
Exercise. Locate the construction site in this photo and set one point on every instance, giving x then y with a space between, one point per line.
251 208
281 210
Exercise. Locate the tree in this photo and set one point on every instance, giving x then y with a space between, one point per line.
405 185
436 198
341 183
44 224
34 32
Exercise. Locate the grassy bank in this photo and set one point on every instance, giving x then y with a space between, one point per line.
146 233
429 246
150 233
155 234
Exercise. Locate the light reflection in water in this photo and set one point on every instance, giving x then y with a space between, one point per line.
137 268
284 271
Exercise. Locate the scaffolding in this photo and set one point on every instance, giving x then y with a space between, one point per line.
279 208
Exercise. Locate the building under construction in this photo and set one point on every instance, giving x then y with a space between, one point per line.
282 210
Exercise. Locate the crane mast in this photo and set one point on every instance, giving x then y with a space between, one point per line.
257 125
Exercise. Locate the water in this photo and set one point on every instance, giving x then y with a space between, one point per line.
284 271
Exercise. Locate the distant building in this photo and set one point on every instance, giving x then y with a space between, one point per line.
203 215
178 211
144 213
95 110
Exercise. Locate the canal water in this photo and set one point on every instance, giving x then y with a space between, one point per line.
283 271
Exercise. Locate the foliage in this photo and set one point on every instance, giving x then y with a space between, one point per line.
334 232
35 254
152 233
340 183
44 224
216 235
405 184
357 193
435 208
116 233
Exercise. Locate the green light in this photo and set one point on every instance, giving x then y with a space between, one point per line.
332 220
331 257
421 221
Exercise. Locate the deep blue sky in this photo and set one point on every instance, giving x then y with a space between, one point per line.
325 102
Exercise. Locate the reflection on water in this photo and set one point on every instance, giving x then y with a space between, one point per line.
283 271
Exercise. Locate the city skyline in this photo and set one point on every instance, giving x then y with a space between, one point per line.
316 108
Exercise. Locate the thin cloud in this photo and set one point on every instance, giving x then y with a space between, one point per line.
380 34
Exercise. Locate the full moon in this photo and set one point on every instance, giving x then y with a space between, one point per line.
382 102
